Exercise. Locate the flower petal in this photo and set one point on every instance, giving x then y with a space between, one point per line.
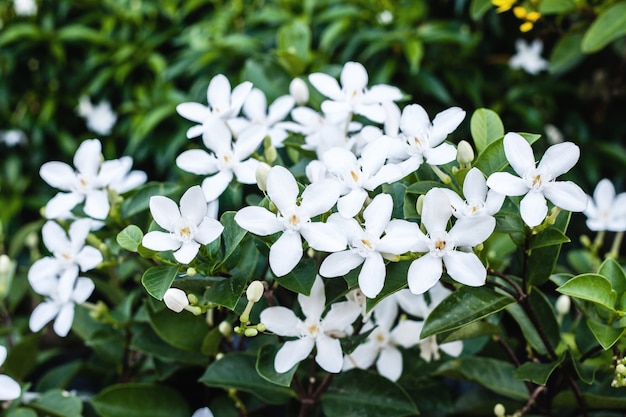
452 348
407 333
208 230
215 185
88 157
193 205
470 231
281 321
58 175
97 204
282 188
83 289
329 354
465 267
326 85
63 322
424 273
9 388
313 304
507 184
341 316
362 357
165 212
436 211
197 161
566 195
292 353
160 241
559 158
88 258
324 237
218 93
246 171
400 237
42 315
351 204
519 153
195 112
54 237
319 197
61 204
440 155
475 186
372 275
340 263
445 123
389 363
258 220
378 214
285 253
187 252
533 208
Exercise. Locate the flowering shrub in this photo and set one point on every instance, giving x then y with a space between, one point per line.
328 248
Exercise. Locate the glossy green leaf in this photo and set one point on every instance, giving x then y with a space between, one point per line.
547 7
494 374
606 335
238 370
613 271
301 279
422 187
471 331
158 279
139 400
21 412
19 31
414 51
591 287
55 403
366 394
147 341
265 366
541 261
22 358
227 291
479 7
566 53
140 200
395 280
585 372
465 305
130 238
486 127
182 330
610 25
232 234
612 399
536 372
548 237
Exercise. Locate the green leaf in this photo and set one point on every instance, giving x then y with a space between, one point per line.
612 399
227 291
414 52
542 260
58 404
158 279
605 335
493 374
130 238
22 359
610 25
265 366
366 394
294 45
146 340
591 287
492 158
301 279
486 127
182 330
395 280
211 342
471 331
566 53
479 7
548 237
614 272
465 305
80 33
232 234
139 400
140 201
541 307
19 31
21 412
585 372
422 187
556 6
537 373
238 370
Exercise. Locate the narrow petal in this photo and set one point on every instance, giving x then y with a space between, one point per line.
313 304
208 230
326 85
382 93
63 322
407 333
42 315
215 185
436 211
238 97
83 289
566 195
164 211
374 112
424 273
255 106
160 241
187 252
340 263
281 321
559 158
329 354
54 237
604 195
58 175
193 205
97 204
519 153
378 214
195 112
292 353
217 136
465 267
507 184
400 237
258 220
285 253
197 161
88 157
372 275
415 121
475 186
341 316
533 208
324 237
282 188
389 363
280 108
218 93
353 77
440 155
9 388
445 123
386 312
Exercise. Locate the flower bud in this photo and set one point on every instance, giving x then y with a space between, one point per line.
620 369
261 173
419 204
175 299
193 299
191 272
255 291
225 328
261 327
464 153
499 410
250 332
563 304
299 91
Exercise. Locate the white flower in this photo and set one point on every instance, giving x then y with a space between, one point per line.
313 331
229 159
25 7
88 184
100 118
382 343
538 183
353 96
479 201
261 121
606 211
9 388
442 246
68 250
293 219
126 179
357 176
175 299
62 294
13 137
299 91
202 412
223 105
528 57
187 227
421 140
366 245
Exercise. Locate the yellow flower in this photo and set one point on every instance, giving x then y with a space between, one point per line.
503 5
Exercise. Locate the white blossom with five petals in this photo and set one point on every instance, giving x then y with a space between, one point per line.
606 210
538 183
313 331
9 388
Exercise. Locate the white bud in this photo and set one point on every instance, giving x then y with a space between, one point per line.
499 410
225 328
175 299
261 174
299 91
255 291
464 153
563 304
5 264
